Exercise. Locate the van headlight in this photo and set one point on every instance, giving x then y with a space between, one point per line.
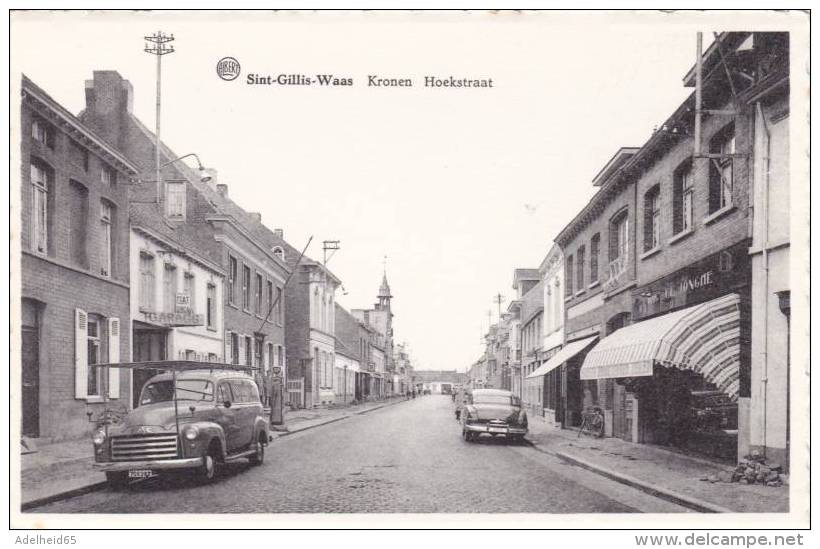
190 432
99 437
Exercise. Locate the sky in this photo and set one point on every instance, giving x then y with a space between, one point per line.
456 187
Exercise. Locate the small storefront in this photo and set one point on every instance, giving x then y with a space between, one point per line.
683 364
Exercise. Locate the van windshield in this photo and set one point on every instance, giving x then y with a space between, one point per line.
187 389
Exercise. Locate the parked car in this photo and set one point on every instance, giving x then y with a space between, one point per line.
197 418
495 413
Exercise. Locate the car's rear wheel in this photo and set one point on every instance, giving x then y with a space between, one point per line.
258 457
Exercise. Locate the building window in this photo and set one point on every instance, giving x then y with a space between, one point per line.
259 290
108 176
107 240
175 202
581 258
210 310
42 180
683 193
269 296
234 348
94 355
721 170
233 270
189 289
246 287
248 351
619 237
42 132
652 218
594 249
78 221
169 283
79 155
278 308
146 297
279 253
568 274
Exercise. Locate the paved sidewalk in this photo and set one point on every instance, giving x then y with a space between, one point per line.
63 469
667 474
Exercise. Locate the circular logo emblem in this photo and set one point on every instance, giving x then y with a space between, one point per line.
228 68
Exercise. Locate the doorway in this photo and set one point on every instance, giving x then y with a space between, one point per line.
31 369
149 344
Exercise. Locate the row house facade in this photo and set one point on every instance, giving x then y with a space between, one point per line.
380 319
661 302
238 267
354 343
75 281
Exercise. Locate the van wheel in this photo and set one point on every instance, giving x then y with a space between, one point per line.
207 471
258 457
117 479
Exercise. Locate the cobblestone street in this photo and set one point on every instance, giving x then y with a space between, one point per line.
405 458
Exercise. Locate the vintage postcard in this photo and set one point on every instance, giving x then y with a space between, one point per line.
470 269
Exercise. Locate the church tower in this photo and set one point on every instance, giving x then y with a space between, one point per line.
384 295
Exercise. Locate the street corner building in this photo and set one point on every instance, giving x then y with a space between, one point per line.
75 276
665 301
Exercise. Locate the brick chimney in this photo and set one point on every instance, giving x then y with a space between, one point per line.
279 233
109 99
222 189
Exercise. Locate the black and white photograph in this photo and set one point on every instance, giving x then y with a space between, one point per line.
413 269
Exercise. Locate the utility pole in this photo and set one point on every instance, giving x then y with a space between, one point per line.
329 246
499 299
158 44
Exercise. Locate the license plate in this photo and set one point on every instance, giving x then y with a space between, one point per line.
498 430
140 473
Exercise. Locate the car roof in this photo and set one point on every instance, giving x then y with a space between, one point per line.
500 392
213 375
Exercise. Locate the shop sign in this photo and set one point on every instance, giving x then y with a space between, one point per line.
183 303
706 279
184 318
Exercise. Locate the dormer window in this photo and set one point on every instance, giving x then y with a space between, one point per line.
175 199
279 253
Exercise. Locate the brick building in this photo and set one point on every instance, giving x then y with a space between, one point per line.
222 234
354 340
75 278
598 247
380 318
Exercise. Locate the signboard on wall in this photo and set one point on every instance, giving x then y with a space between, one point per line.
706 279
171 320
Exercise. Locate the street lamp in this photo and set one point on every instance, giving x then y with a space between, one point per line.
204 176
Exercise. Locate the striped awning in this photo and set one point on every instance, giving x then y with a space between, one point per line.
570 350
704 338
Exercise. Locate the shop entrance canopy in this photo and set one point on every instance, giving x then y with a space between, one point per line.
570 350
704 338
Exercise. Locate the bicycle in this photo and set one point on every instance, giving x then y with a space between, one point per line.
592 423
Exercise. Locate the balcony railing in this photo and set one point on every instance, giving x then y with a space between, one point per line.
615 272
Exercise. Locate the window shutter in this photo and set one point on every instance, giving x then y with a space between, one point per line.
228 350
113 356
80 354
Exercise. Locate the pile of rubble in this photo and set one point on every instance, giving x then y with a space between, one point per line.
752 469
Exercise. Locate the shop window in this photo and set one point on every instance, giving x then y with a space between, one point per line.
568 265
78 221
246 287
682 198
175 199
107 237
147 281
42 132
42 185
594 250
652 218
721 170
233 271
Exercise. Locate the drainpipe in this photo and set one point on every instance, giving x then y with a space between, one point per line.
765 245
